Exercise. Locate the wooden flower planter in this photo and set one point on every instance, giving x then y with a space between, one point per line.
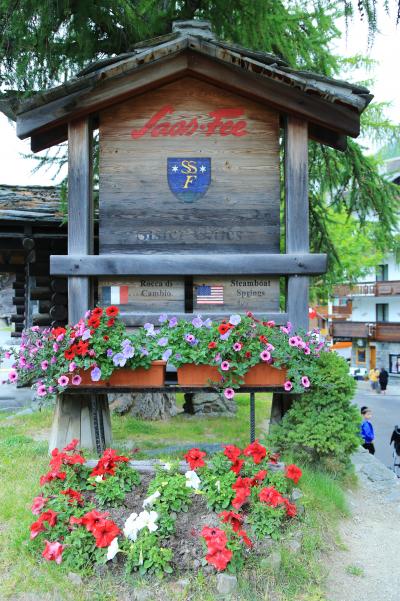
262 375
153 377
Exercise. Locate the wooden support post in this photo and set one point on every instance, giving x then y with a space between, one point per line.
297 235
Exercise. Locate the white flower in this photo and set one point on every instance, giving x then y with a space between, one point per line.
218 485
113 549
192 480
99 478
147 519
151 499
130 527
167 467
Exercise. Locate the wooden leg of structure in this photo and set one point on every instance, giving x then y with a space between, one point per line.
85 417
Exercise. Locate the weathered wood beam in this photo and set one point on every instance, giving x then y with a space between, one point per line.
80 211
187 264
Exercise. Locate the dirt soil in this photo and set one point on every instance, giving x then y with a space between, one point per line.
369 566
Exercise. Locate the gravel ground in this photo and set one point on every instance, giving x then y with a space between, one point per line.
368 566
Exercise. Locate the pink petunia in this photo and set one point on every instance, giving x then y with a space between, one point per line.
76 380
305 382
237 346
63 381
13 376
225 365
288 385
229 393
44 365
41 390
265 355
271 323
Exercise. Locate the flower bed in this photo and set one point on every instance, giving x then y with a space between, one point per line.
215 513
53 359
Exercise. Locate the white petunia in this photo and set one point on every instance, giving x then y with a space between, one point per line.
218 485
113 549
99 478
130 528
167 467
151 499
147 519
192 480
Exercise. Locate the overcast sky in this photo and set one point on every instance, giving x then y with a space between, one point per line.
14 169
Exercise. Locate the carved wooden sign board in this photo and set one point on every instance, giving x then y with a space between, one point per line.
189 167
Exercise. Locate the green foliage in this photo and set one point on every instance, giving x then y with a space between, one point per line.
146 556
112 489
279 481
322 426
175 495
81 553
265 520
218 489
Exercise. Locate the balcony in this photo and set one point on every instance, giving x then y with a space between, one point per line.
386 288
380 331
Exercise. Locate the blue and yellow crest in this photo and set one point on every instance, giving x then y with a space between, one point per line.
188 178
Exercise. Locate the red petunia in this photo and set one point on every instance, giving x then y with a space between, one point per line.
259 477
49 516
58 331
212 344
255 450
69 354
293 473
107 463
36 528
112 311
247 354
38 504
237 466
53 551
232 452
93 322
291 509
50 476
194 458
74 496
271 497
110 322
263 340
90 520
223 328
219 558
106 338
245 538
104 532
232 518
72 445
97 312
214 537
242 489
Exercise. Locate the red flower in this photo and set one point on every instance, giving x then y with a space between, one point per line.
232 518
247 354
97 312
72 445
69 354
104 532
232 452
81 348
259 477
38 504
49 516
52 475
53 551
291 509
271 497
73 495
237 466
58 331
274 458
212 344
242 488
255 450
93 322
112 311
110 322
36 528
107 463
214 537
245 538
293 473
106 338
223 328
263 339
90 520
194 458
219 558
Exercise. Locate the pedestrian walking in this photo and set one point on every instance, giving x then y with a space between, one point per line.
373 378
383 380
367 430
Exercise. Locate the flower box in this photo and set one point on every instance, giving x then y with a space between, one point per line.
132 378
262 375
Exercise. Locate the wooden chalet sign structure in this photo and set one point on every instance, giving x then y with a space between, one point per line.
189 193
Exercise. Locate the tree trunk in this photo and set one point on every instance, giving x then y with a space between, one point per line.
145 405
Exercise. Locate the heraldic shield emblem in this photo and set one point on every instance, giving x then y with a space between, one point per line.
188 178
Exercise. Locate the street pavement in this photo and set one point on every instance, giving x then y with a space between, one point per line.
385 415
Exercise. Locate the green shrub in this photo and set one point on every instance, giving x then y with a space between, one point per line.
322 426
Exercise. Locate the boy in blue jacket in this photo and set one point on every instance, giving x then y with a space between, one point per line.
367 430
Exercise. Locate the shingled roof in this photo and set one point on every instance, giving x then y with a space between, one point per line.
331 106
30 204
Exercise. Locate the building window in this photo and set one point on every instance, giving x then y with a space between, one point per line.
382 312
394 364
381 273
361 356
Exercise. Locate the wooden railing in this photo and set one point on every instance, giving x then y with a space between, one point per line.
379 331
386 288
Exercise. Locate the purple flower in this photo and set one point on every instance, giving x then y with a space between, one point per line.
60 337
126 342
39 343
207 323
178 356
301 344
22 362
265 355
225 365
128 351
229 393
119 360
167 354
76 380
173 322
63 381
41 390
163 317
86 335
288 385
162 341
189 338
217 358
284 330
305 382
72 366
44 365
226 335
13 376
197 322
237 347
148 326
95 374
50 389
234 320
269 347
35 329
307 350
143 351
110 352
55 347
53 360
87 314
7 355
